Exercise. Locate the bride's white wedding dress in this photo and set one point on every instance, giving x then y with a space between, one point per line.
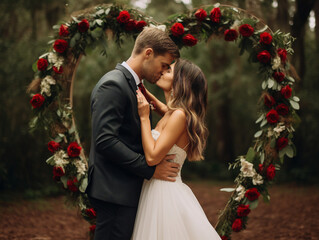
170 210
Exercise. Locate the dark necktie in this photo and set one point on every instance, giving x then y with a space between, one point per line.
142 89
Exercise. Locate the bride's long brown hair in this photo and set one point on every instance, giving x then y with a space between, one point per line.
190 94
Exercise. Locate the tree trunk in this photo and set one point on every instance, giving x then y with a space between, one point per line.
316 8
298 30
282 19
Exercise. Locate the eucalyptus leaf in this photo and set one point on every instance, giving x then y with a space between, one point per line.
290 79
83 185
264 85
258 134
227 189
260 118
262 158
294 105
50 161
262 30
250 155
270 83
273 143
35 66
107 11
55 27
289 151
263 123
253 204
64 180
296 99
100 12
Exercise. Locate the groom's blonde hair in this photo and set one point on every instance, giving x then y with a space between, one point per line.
156 39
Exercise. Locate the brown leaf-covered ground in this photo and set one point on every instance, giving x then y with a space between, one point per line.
292 213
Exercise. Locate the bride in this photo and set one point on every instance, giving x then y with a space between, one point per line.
170 210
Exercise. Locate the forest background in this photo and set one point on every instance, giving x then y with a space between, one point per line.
234 88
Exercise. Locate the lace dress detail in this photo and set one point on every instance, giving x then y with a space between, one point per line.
170 210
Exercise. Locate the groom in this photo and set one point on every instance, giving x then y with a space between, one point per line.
117 165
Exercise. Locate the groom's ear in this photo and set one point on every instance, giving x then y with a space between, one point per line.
148 52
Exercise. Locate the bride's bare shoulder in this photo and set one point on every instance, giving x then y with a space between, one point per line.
177 115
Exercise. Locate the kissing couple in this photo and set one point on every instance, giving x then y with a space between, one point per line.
134 177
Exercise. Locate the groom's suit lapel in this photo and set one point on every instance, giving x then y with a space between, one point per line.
129 77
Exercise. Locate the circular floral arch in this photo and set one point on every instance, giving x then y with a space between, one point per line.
52 90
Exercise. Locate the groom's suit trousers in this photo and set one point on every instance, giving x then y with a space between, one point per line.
114 222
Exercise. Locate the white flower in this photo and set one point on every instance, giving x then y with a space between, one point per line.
45 85
55 59
258 179
276 62
247 168
80 166
60 159
279 128
160 27
241 193
270 132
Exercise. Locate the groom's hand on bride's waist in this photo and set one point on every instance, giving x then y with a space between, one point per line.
166 170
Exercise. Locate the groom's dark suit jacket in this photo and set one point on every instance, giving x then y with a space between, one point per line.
117 165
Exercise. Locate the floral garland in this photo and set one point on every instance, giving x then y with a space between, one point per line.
51 96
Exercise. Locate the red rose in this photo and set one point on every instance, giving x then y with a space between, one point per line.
200 14
177 29
269 101
64 31
224 238
140 25
281 143
272 116
243 210
90 212
83 26
215 15
246 30
271 172
282 109
282 54
53 146
74 149
60 45
123 17
264 57
71 184
58 172
286 91
130 25
252 194
42 64
92 228
189 40
37 100
265 38
230 35
58 70
237 225
278 76
260 167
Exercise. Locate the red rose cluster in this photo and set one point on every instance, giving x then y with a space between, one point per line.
71 183
270 171
178 31
37 100
57 173
90 213
130 24
74 149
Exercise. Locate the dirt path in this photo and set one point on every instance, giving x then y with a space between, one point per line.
293 213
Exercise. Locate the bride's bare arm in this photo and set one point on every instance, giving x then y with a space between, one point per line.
160 107
155 151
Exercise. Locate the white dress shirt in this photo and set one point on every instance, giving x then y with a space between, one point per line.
136 78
